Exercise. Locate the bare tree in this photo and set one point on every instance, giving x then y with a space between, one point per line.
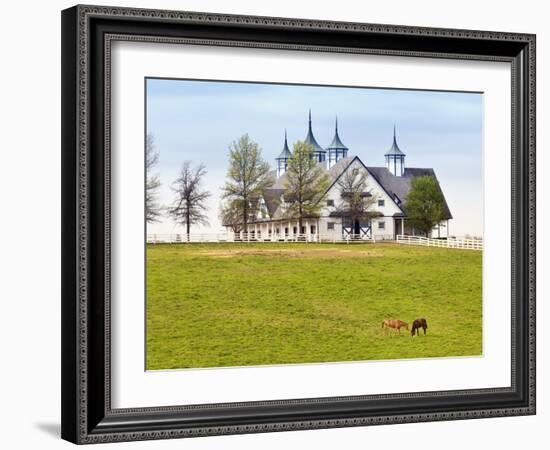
189 206
231 215
306 184
356 200
152 208
248 176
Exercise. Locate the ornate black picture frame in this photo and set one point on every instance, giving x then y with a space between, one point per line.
87 34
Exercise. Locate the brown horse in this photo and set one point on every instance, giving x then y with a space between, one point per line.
395 324
417 324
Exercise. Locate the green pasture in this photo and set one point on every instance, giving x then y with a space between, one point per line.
227 304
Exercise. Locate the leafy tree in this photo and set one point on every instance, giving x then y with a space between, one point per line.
356 201
306 184
152 207
424 204
189 206
248 176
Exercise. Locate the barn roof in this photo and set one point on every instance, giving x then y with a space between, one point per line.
396 187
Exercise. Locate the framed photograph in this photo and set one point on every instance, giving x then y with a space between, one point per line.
277 224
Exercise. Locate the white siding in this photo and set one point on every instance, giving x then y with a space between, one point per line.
387 232
389 208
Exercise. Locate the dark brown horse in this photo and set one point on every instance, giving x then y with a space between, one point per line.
417 324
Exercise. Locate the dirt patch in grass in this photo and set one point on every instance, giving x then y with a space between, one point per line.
296 253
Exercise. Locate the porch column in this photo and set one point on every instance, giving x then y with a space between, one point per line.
318 230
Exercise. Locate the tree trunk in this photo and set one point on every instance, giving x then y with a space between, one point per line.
188 223
245 215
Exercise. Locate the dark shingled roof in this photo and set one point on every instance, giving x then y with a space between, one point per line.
400 186
334 172
396 187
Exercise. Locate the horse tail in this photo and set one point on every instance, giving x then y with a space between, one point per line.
382 324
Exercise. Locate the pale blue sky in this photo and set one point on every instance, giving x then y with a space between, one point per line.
197 120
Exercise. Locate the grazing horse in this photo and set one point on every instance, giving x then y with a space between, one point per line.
395 324
417 324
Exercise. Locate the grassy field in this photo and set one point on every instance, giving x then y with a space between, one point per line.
212 305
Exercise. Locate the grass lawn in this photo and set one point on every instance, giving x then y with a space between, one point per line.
212 305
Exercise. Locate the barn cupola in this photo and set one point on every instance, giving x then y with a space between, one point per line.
336 150
395 158
282 159
318 153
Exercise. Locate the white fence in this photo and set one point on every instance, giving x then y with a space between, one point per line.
259 237
468 244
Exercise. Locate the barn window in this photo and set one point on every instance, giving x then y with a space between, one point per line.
330 226
330 202
381 225
381 202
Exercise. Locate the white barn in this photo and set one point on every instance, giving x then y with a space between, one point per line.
389 186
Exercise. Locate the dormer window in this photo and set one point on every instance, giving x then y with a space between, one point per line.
396 199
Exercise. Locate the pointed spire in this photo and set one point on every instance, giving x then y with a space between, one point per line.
285 153
394 150
336 141
310 139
